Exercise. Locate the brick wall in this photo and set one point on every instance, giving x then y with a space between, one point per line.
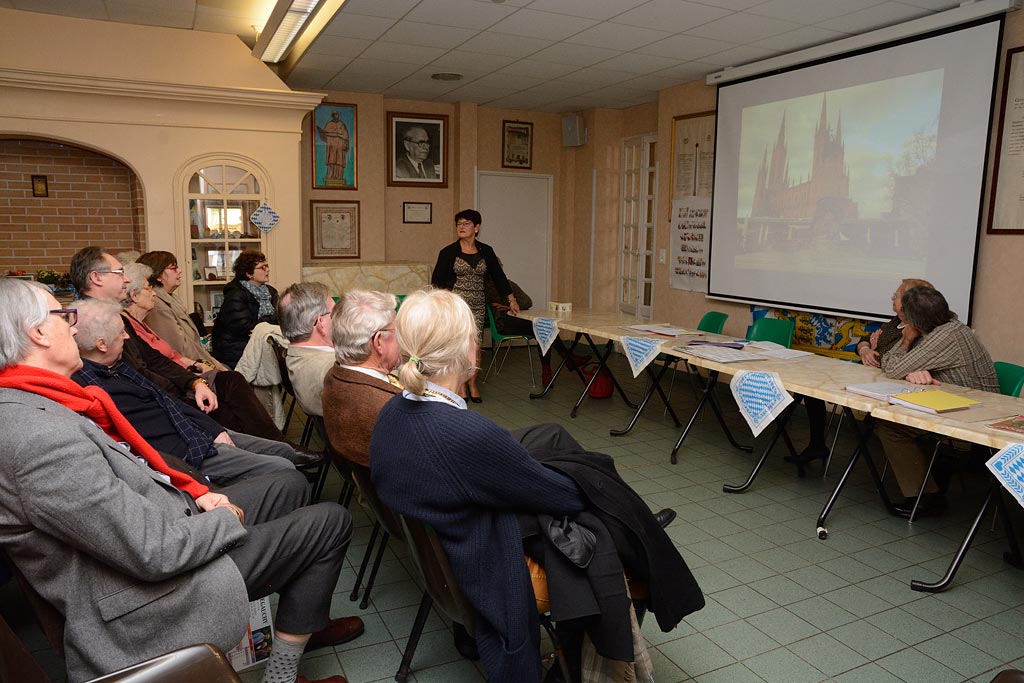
92 200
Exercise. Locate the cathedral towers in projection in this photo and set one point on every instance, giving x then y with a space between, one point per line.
826 190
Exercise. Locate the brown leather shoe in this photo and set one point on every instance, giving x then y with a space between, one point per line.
329 679
338 631
305 457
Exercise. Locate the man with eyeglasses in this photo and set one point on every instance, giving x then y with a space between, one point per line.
413 163
304 312
138 558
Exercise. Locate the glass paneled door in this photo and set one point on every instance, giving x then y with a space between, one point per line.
636 236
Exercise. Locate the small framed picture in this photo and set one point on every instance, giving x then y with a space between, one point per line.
39 186
334 146
417 155
216 301
516 144
417 212
210 273
334 230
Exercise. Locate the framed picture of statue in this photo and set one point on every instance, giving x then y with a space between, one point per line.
334 146
417 152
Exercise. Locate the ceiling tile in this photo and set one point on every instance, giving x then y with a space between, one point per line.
617 36
874 17
743 28
685 47
504 44
359 83
415 88
132 13
677 14
339 46
387 71
548 25
428 35
311 79
216 22
462 60
579 103
592 9
82 9
690 71
742 54
519 100
735 5
637 63
476 93
321 62
655 82
580 55
803 37
538 69
560 88
511 3
937 5
393 9
621 93
508 81
810 11
7 4
464 13
398 52
598 77
358 26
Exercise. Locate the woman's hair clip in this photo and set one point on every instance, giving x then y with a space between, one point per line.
415 359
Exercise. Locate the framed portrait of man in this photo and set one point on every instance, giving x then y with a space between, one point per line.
334 146
417 152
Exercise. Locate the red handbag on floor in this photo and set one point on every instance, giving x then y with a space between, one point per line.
602 386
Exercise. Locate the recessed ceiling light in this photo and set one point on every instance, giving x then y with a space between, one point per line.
446 76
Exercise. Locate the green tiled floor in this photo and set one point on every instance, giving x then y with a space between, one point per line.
782 605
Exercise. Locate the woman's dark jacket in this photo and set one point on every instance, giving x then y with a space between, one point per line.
444 270
238 315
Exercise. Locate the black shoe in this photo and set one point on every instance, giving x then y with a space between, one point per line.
932 505
305 457
664 517
464 643
809 454
476 399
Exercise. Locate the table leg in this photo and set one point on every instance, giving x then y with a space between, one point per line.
655 385
780 429
1012 556
602 364
943 583
707 396
566 354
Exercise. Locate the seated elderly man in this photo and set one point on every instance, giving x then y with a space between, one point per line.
167 424
140 559
304 311
934 348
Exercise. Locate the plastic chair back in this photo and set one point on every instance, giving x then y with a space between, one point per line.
773 330
498 336
713 322
438 578
1011 378
202 662
382 512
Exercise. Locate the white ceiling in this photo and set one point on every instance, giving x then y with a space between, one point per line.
547 55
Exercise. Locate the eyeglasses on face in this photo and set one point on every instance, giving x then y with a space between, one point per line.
422 143
68 315
173 266
464 224
115 271
262 266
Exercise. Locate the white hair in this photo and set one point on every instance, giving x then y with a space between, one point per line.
436 333
23 306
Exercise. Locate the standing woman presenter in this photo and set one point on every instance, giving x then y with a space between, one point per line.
462 267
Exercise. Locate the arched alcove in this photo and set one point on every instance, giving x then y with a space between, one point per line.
56 198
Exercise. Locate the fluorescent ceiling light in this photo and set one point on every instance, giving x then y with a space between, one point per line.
967 11
284 24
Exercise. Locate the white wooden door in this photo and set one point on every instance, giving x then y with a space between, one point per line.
516 210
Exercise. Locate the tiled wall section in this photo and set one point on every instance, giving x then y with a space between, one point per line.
92 200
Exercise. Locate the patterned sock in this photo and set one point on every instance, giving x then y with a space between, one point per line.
283 663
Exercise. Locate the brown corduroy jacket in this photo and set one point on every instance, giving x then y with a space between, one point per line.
351 403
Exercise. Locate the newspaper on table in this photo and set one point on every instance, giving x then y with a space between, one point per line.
640 351
720 354
258 639
545 330
1008 466
760 396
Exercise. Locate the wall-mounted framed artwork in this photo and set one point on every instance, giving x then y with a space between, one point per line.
417 212
417 151
1006 206
516 144
334 230
334 146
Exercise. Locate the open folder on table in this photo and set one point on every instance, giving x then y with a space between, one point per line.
933 401
881 390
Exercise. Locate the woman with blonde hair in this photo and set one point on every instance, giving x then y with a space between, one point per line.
480 477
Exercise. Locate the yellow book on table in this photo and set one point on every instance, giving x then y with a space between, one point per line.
933 401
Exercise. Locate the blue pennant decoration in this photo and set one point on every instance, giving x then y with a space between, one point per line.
1008 466
546 331
264 218
760 396
641 351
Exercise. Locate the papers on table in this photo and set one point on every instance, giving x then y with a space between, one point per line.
760 396
1008 466
933 401
1014 425
663 330
773 350
719 354
881 390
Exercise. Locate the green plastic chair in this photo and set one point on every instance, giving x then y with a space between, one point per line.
713 322
497 339
773 330
401 298
1011 378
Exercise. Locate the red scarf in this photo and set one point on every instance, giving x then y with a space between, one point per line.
96 404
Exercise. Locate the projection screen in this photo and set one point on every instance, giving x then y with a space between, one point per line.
834 181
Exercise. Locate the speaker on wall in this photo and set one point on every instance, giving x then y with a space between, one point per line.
573 133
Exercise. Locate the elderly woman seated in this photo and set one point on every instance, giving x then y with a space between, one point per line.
485 484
